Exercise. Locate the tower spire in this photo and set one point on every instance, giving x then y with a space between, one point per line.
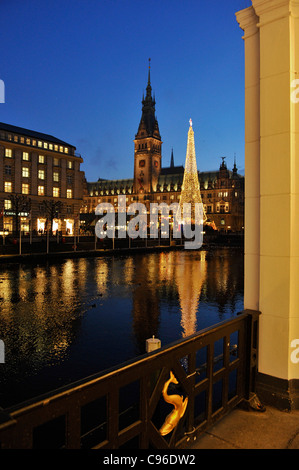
148 118
172 159
149 87
235 169
149 72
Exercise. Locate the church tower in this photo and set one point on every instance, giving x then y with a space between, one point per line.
147 159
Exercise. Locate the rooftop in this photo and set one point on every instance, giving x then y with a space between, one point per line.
30 133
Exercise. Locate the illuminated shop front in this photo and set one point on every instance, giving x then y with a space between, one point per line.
25 224
41 225
69 226
55 226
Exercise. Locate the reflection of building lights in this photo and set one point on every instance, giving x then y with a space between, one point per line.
102 276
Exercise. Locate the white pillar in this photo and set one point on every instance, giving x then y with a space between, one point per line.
277 203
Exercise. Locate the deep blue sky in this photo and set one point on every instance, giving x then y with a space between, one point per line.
77 69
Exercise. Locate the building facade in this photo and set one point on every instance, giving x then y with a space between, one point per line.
222 191
41 184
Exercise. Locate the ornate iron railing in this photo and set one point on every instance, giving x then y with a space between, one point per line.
125 407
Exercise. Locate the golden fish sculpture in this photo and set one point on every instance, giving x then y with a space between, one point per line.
179 404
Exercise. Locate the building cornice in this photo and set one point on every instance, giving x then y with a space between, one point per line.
248 21
271 10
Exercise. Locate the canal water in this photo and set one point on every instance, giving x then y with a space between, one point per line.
64 320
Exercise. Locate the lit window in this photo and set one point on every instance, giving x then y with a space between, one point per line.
34 142
25 172
15 138
45 145
7 204
22 140
28 141
8 186
66 150
25 156
51 146
60 149
40 144
69 193
8 153
55 176
56 148
55 192
55 162
25 188
70 164
41 174
41 159
41 190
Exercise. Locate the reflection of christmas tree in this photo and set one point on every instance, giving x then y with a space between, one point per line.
190 193
190 278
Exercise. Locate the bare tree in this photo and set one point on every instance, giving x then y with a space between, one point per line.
20 204
52 210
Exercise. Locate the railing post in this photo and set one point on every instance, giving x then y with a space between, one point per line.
251 399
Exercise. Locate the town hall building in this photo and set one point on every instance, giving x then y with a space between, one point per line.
222 191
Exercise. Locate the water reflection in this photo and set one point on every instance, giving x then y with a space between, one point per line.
189 279
61 321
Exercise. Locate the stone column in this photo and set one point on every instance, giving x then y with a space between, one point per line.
248 20
278 23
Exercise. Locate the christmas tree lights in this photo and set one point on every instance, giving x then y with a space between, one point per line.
190 193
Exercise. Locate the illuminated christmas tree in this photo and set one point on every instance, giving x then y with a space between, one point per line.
190 192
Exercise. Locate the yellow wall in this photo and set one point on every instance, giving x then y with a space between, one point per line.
271 161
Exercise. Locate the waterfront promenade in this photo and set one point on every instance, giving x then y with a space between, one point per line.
242 429
87 246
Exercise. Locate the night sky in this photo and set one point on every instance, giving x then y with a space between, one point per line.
77 69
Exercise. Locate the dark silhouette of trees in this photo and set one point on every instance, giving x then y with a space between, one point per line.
51 211
20 204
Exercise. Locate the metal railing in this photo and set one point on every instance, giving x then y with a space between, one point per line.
124 407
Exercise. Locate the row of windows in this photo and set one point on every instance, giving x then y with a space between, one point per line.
41 158
144 146
40 190
220 194
35 143
41 174
8 206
